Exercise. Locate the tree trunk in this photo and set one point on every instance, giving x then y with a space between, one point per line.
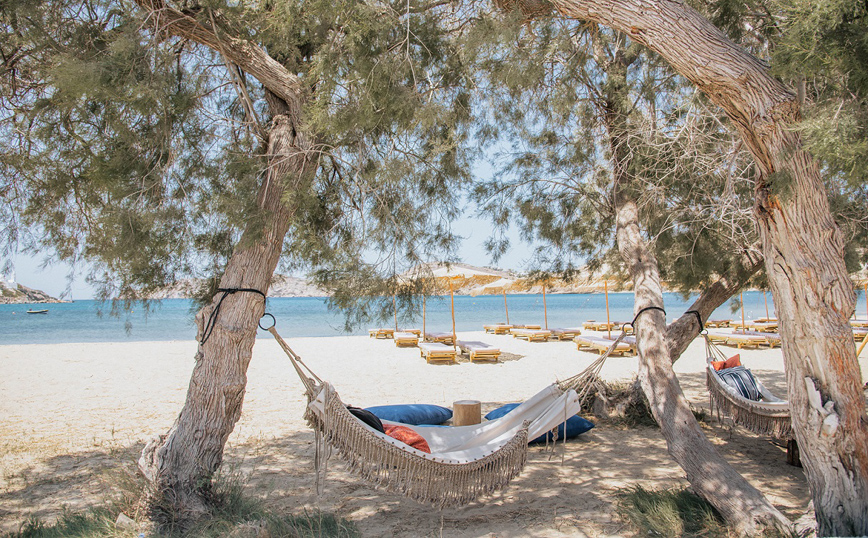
802 245
180 464
743 506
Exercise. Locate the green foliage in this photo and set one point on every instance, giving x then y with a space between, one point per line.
568 105
135 154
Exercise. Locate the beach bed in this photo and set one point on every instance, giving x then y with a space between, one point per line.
531 326
441 338
601 345
417 332
381 333
859 323
717 323
743 339
478 350
754 325
531 335
566 334
403 339
498 328
437 352
592 325
859 333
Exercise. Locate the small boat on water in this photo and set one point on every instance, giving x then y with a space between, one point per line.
45 311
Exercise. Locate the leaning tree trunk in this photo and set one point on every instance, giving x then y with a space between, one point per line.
743 506
802 245
180 464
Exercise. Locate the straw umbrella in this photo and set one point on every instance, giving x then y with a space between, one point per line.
498 286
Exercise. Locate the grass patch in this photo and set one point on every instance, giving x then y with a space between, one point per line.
677 512
669 513
234 512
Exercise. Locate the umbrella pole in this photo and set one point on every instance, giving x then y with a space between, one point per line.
608 323
545 308
395 310
452 299
424 303
741 298
866 300
505 307
766 301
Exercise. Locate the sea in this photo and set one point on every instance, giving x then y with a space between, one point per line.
172 319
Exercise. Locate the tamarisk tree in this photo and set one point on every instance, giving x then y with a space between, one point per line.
802 245
160 139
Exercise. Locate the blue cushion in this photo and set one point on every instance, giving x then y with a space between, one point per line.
414 414
742 380
576 425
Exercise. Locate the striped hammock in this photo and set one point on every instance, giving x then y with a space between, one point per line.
465 462
768 416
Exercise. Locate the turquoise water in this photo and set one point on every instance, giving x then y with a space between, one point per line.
172 319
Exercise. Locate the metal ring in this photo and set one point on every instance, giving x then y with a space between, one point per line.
703 331
273 321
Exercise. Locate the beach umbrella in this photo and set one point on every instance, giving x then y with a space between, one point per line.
498 286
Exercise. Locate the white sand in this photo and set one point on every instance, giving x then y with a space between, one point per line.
70 412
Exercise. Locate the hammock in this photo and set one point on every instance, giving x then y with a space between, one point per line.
465 461
769 416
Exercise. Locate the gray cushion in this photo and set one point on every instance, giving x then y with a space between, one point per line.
740 378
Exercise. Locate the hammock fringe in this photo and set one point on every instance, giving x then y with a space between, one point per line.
399 470
756 418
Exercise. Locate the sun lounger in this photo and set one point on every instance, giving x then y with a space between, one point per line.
479 350
442 338
381 333
860 323
532 327
859 333
498 328
601 345
774 339
405 339
566 334
592 325
417 332
741 339
531 335
435 351
717 323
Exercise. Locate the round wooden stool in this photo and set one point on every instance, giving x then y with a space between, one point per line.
466 412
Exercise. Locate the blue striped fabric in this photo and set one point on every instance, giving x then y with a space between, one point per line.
740 378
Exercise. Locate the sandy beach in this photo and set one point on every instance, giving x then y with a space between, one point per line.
73 414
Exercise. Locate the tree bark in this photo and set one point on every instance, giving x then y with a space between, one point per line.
180 464
743 507
802 245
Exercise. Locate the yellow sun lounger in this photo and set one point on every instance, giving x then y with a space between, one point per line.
531 335
478 350
601 345
381 333
566 334
498 328
743 339
435 351
442 338
405 339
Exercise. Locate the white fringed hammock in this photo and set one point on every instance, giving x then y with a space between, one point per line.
769 416
465 462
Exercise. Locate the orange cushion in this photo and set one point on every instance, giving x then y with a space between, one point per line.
735 360
408 436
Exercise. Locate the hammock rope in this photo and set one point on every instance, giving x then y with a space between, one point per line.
453 479
771 416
